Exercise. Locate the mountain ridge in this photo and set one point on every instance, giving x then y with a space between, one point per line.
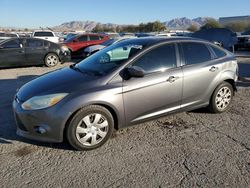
176 23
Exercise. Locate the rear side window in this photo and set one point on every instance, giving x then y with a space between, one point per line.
195 53
83 38
94 37
11 44
43 34
158 59
218 52
31 43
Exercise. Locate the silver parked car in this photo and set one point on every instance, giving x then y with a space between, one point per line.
126 83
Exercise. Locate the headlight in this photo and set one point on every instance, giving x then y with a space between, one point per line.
64 48
45 101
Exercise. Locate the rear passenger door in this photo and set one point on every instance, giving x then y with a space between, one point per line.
34 51
200 73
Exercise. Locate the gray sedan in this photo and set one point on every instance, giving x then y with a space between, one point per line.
146 78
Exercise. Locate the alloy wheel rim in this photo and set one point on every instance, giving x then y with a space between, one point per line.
223 98
52 60
92 129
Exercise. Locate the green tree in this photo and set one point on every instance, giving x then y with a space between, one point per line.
193 28
238 26
211 23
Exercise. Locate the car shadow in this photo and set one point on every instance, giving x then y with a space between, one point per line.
7 120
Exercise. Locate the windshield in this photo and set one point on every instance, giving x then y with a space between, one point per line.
108 59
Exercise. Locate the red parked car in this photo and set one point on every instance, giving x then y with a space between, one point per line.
84 40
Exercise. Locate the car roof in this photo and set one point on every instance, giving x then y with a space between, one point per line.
150 41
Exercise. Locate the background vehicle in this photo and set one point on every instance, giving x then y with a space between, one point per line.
220 36
4 36
95 48
243 40
79 42
46 35
18 52
148 78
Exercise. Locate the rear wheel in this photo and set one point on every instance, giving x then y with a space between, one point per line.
51 60
221 98
90 128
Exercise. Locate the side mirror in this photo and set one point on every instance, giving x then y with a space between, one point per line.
135 71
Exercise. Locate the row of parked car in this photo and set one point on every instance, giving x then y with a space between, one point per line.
44 47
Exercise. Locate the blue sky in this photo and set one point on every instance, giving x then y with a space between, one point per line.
35 13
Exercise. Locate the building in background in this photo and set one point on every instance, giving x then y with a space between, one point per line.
228 20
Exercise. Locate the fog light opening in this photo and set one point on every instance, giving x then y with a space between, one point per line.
40 130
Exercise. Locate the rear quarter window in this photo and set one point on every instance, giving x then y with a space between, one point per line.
43 34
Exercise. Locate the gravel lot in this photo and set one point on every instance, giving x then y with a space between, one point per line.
193 149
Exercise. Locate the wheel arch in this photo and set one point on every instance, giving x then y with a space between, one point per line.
108 107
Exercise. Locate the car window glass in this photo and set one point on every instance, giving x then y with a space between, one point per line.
11 44
31 43
218 52
94 37
83 38
2 34
158 59
43 34
195 53
10 35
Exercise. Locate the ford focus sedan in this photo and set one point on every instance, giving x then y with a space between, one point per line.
133 81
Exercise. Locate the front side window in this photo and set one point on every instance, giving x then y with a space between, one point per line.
11 44
195 53
158 59
31 43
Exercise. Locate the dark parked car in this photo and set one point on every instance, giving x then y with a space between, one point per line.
18 52
126 83
243 40
219 36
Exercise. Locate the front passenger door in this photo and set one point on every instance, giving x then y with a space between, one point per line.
159 91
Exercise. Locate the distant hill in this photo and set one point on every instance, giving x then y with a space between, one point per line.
177 23
184 23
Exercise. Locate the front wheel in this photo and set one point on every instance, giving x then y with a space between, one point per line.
90 128
221 98
51 60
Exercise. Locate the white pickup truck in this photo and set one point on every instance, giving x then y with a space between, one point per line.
46 35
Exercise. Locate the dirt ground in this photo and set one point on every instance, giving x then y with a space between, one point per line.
192 149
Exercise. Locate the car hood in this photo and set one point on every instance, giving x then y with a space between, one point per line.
65 80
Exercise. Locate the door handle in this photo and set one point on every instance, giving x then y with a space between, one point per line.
172 79
213 68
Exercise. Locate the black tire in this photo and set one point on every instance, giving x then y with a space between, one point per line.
74 138
220 103
51 60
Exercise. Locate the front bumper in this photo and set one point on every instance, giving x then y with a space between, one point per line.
42 125
65 56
